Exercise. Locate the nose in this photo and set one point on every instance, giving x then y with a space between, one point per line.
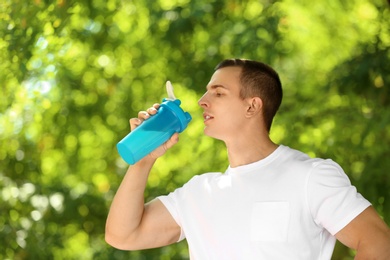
202 102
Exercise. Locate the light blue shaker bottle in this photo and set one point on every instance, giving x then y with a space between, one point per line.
154 131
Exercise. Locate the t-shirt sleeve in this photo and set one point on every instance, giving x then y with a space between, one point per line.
332 200
171 205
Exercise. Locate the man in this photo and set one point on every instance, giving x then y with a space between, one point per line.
272 202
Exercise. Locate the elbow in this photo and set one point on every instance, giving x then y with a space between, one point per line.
116 242
113 241
109 240
119 242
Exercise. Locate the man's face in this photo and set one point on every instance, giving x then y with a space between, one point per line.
224 110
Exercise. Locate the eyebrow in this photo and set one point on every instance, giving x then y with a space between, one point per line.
216 86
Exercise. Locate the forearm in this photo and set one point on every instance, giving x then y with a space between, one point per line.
128 205
377 247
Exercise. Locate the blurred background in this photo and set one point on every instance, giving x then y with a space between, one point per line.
72 73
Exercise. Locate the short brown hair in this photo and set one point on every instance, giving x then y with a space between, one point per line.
258 80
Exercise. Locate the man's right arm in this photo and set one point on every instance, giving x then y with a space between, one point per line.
131 224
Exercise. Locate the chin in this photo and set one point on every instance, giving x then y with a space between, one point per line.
207 132
212 134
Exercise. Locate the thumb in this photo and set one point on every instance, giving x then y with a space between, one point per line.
163 148
172 141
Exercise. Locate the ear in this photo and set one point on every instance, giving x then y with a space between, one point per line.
255 105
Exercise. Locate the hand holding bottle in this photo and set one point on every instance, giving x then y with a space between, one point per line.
144 115
158 126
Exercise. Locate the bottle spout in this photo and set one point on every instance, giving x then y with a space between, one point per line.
171 95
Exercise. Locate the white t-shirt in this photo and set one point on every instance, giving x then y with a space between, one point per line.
286 206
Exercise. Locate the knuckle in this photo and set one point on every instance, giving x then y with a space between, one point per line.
143 114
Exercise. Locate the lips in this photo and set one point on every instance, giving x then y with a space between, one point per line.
207 117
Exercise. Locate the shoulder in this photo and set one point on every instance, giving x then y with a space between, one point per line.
301 162
203 179
314 172
300 157
327 170
332 199
196 183
195 187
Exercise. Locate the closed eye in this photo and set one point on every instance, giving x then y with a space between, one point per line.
217 90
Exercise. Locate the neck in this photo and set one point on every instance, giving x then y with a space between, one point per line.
249 150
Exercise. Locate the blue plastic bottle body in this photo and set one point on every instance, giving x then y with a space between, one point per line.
153 132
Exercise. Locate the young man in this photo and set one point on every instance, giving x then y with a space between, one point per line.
272 202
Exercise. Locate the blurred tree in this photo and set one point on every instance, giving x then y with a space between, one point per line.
74 72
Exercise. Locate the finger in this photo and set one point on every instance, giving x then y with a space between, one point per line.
172 141
143 115
135 122
163 148
151 111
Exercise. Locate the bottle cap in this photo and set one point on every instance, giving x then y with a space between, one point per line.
183 117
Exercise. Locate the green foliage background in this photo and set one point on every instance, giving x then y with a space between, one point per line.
73 72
